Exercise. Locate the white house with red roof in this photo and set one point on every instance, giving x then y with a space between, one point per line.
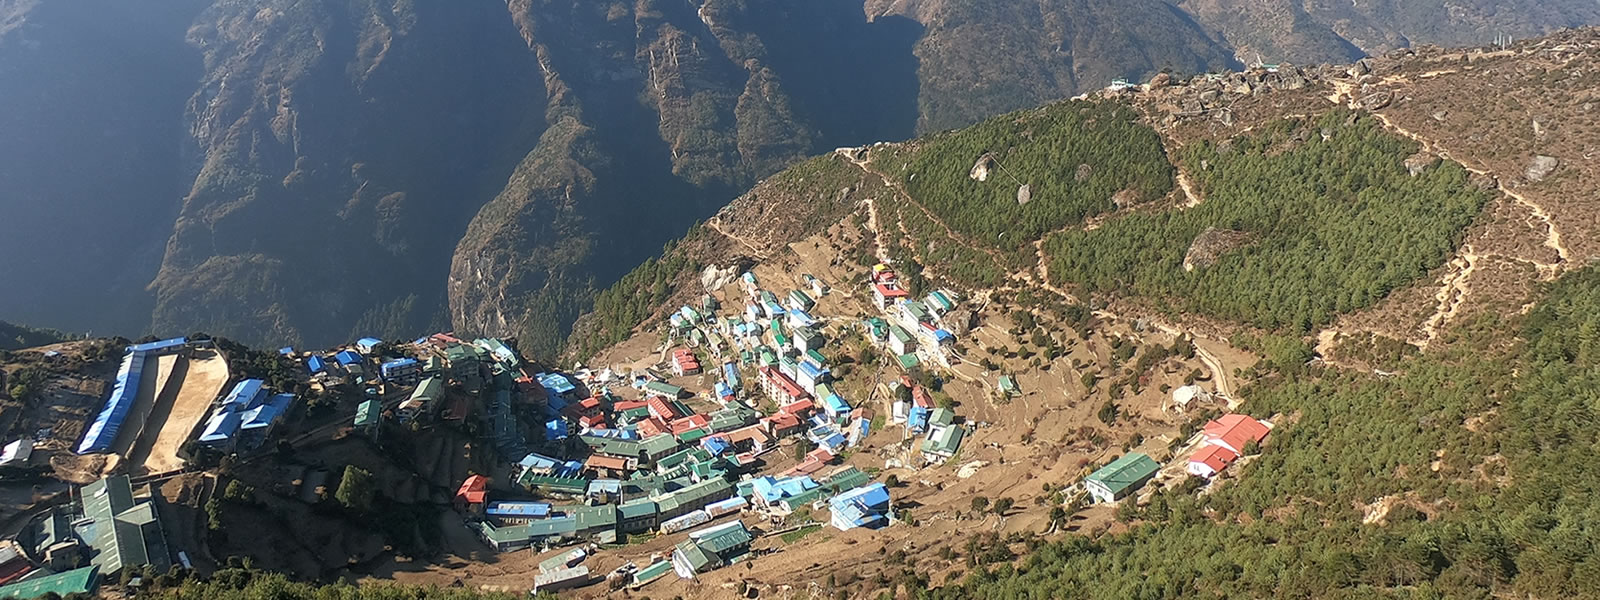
1210 460
1235 431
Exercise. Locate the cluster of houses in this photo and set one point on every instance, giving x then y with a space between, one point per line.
1223 441
913 330
610 467
112 528
914 408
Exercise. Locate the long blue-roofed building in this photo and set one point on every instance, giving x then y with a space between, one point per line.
101 433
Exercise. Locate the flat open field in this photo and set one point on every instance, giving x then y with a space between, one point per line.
184 401
180 396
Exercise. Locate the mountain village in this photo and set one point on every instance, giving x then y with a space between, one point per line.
585 461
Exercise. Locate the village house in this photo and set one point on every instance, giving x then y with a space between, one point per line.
403 371
866 506
711 548
1121 478
1235 432
1210 460
684 362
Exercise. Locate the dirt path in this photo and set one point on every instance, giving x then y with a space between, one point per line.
1192 199
1344 90
1452 293
881 251
716 226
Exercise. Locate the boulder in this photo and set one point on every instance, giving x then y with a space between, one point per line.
1541 167
982 168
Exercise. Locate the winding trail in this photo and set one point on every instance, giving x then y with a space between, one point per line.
1455 286
1453 293
1041 278
716 225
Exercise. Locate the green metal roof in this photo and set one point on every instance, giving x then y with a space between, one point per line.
642 507
1008 385
593 517
569 485
124 531
946 441
665 389
1131 470
697 558
660 445
76 581
942 416
899 333
908 361
612 446
652 572
429 390
726 539
693 435
368 413
817 356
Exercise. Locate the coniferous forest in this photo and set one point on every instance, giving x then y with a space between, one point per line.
1324 218
1468 475
1075 157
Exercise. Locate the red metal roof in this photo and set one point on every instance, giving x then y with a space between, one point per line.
892 292
628 405
601 461
919 396
1236 431
690 422
652 427
659 408
789 387
782 421
799 408
475 490
1216 457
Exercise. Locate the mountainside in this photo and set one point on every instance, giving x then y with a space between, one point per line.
1392 262
295 172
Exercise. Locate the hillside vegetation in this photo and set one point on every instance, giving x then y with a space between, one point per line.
1074 156
15 337
1456 479
1326 226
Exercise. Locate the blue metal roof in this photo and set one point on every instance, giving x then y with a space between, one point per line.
315 364
533 510
368 343
555 429
538 461
556 382
286 350
812 371
835 405
347 357
245 393
220 427
102 431
267 412
874 495
160 346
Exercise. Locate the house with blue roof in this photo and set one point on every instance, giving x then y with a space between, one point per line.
347 358
514 513
404 371
248 409
865 506
316 365
367 344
